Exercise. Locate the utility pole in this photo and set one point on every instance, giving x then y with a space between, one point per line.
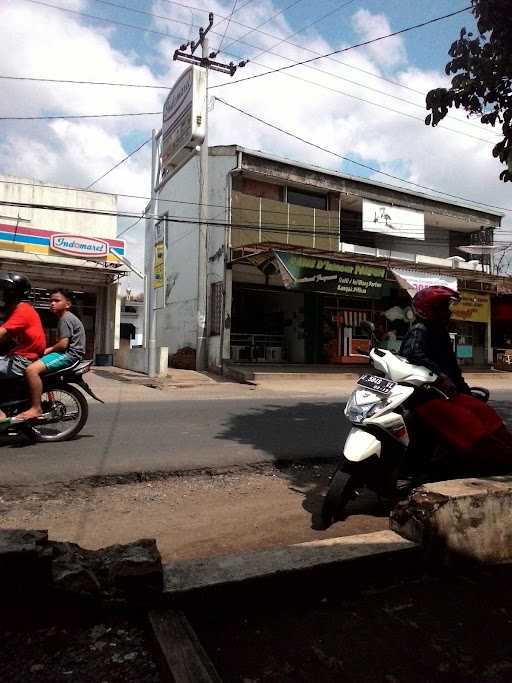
151 296
207 61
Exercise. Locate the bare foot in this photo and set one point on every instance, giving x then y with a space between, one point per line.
30 414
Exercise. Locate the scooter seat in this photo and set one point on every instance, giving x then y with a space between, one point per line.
78 368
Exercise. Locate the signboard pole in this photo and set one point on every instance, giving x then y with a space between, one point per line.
206 61
202 284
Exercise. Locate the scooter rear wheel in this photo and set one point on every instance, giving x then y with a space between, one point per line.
341 490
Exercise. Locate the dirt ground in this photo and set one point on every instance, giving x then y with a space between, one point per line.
451 629
189 516
77 646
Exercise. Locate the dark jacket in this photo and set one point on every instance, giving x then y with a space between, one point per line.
429 344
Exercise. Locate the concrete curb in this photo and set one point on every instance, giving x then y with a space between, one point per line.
188 577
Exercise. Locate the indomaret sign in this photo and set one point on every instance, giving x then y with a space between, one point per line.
184 118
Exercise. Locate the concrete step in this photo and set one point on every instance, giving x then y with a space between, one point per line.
187 576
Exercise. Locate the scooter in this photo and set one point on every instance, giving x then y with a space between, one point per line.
65 408
384 431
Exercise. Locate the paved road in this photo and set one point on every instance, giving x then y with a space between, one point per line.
214 426
141 429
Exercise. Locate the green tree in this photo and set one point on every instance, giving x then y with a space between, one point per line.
482 81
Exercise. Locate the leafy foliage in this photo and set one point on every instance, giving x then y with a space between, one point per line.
482 81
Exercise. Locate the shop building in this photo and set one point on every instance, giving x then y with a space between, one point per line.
73 249
299 256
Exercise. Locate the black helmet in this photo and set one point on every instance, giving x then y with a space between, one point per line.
15 283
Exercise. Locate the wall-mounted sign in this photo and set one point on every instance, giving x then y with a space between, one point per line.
159 265
393 220
414 281
472 307
184 118
17 238
309 273
79 246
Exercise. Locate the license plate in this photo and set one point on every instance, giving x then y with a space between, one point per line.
378 384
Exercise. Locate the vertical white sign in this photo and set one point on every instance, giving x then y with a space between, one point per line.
184 118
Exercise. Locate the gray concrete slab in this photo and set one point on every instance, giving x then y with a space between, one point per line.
189 575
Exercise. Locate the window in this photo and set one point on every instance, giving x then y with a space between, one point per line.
215 308
312 199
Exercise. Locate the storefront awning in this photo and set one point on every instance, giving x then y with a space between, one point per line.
413 280
263 256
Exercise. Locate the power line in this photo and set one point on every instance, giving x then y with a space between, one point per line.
339 92
123 232
304 80
118 164
227 26
305 28
346 49
314 83
352 161
334 75
222 206
306 49
263 23
304 230
77 116
222 18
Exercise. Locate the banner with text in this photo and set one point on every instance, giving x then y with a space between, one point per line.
414 281
308 273
473 307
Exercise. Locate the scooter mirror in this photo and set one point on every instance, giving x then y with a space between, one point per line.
368 327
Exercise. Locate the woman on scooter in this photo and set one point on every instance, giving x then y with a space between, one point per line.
464 422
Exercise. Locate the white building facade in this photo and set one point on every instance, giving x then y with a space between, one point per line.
298 256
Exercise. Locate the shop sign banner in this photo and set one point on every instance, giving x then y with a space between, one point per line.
393 220
82 247
184 118
309 273
472 307
414 281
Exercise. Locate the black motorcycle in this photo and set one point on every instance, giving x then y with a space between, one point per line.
65 408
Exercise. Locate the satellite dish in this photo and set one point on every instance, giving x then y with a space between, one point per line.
479 248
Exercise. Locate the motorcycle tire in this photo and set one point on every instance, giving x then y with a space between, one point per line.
35 433
341 490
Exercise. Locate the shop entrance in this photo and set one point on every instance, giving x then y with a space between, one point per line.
267 325
470 342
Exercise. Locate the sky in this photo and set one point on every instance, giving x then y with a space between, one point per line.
367 104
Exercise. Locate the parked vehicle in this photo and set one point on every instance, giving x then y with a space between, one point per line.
65 408
386 438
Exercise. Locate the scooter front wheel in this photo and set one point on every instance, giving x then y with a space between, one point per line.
341 490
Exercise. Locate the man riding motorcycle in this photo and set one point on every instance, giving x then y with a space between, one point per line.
22 327
470 427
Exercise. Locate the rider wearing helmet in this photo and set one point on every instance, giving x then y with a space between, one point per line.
464 422
22 327
428 342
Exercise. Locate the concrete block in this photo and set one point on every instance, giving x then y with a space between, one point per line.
470 519
229 570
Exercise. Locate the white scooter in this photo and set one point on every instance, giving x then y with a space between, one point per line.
384 430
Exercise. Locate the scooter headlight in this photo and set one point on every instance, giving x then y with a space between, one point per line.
357 413
361 406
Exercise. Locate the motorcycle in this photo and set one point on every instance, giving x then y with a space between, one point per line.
65 408
386 439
